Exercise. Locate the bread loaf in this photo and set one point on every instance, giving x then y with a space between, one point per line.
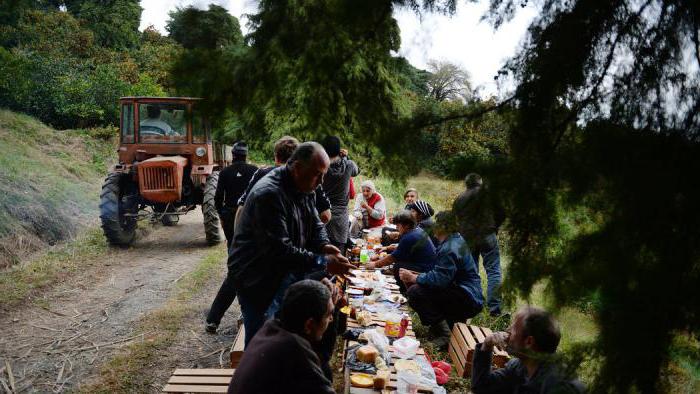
381 379
367 354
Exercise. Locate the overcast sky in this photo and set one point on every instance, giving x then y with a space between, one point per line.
460 38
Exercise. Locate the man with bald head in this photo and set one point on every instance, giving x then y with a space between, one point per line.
279 238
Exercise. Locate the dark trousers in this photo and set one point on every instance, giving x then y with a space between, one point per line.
433 305
223 300
228 218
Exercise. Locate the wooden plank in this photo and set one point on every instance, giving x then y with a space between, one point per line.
184 388
238 347
477 334
471 343
462 341
205 380
456 361
204 372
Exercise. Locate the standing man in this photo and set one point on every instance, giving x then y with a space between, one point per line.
336 184
451 291
532 338
232 182
479 215
279 237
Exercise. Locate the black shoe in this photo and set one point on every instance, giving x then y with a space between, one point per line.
495 313
211 328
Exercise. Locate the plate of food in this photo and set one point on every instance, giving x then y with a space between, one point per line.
397 299
391 286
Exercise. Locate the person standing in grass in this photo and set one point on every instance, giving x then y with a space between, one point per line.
479 217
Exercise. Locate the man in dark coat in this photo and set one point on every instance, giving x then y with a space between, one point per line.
233 180
280 358
336 184
279 237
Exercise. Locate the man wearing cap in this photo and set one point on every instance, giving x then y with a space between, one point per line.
233 181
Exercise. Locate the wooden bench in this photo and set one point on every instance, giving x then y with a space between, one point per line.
199 381
463 343
238 347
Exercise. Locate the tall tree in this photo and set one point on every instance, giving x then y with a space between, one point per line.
606 136
114 22
210 29
448 81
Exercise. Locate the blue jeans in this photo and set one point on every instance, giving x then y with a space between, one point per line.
257 311
491 257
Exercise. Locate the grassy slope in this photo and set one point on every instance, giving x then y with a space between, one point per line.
49 183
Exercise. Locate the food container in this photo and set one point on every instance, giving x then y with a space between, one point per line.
392 325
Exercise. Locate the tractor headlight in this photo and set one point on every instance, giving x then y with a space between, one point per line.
200 151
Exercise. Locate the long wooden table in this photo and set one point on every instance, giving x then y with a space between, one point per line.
391 385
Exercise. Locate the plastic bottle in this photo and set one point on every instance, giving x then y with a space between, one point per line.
392 325
404 325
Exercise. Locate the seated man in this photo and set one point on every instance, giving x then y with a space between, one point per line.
280 359
533 338
153 122
415 250
451 291
423 214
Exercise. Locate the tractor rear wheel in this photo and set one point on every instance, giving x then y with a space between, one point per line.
211 217
118 229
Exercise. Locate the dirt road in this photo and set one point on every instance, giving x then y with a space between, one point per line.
60 341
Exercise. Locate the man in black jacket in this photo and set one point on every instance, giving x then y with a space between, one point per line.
233 181
280 358
279 237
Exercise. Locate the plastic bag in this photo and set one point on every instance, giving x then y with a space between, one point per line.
407 382
406 347
379 340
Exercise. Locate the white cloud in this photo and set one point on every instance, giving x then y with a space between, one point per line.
461 38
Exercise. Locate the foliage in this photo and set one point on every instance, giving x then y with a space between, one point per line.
210 29
59 73
607 118
115 23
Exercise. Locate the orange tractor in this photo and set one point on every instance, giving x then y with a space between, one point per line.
167 166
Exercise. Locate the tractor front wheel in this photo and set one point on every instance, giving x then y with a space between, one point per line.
211 217
118 229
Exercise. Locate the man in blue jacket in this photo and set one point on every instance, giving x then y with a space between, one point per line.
451 291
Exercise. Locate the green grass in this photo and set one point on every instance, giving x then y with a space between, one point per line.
49 181
17 283
124 373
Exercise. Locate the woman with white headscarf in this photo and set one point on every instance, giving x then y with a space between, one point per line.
370 209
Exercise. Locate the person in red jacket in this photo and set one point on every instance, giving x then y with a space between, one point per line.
370 209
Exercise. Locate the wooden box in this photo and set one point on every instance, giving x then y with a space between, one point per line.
463 343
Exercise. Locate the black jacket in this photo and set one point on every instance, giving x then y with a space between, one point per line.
279 361
279 232
322 201
479 215
233 181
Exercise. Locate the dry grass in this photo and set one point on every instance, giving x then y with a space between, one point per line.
126 372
